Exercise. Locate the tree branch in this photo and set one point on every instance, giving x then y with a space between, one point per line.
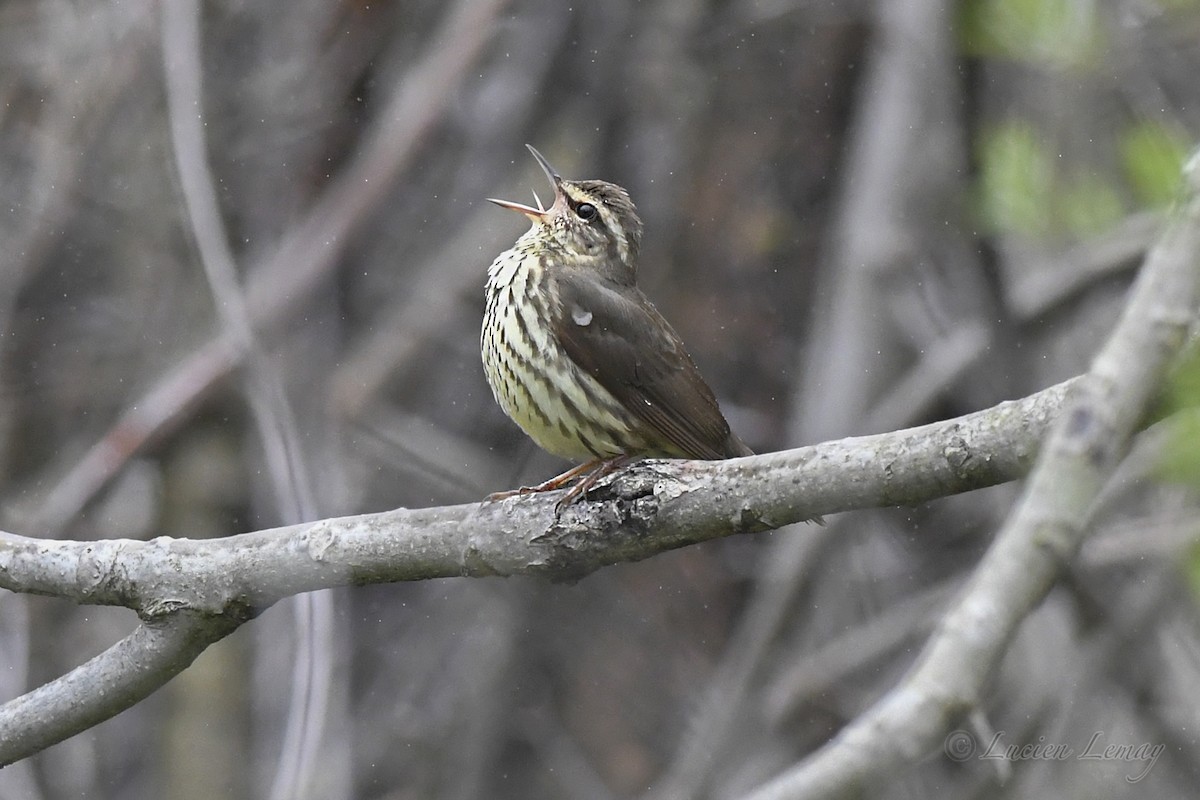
192 592
1085 445
120 677
646 509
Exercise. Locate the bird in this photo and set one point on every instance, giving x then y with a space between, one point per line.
578 357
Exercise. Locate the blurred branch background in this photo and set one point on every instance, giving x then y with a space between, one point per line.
859 216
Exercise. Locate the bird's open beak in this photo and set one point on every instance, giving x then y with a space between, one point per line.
539 213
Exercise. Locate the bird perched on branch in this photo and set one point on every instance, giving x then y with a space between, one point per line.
578 357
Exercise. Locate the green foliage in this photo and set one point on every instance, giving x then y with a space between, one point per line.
1090 205
1025 184
1152 157
1059 33
1015 180
1181 460
1191 567
1179 6
1020 189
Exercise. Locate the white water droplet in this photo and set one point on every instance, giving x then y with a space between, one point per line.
582 316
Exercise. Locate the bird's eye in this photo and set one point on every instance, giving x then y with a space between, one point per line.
586 211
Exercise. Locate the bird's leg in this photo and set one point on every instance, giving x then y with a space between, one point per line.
592 471
602 467
557 482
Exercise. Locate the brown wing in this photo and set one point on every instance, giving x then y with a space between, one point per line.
622 341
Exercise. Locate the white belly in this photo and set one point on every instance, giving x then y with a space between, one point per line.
547 405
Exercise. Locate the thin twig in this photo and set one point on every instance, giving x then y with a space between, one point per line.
291 480
289 275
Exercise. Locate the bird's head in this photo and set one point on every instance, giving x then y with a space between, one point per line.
592 223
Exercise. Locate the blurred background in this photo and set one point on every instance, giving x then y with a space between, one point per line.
859 216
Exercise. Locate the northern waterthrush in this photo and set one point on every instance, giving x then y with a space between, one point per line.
575 353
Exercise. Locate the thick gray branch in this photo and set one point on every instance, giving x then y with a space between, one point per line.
647 509
1084 446
192 592
118 678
